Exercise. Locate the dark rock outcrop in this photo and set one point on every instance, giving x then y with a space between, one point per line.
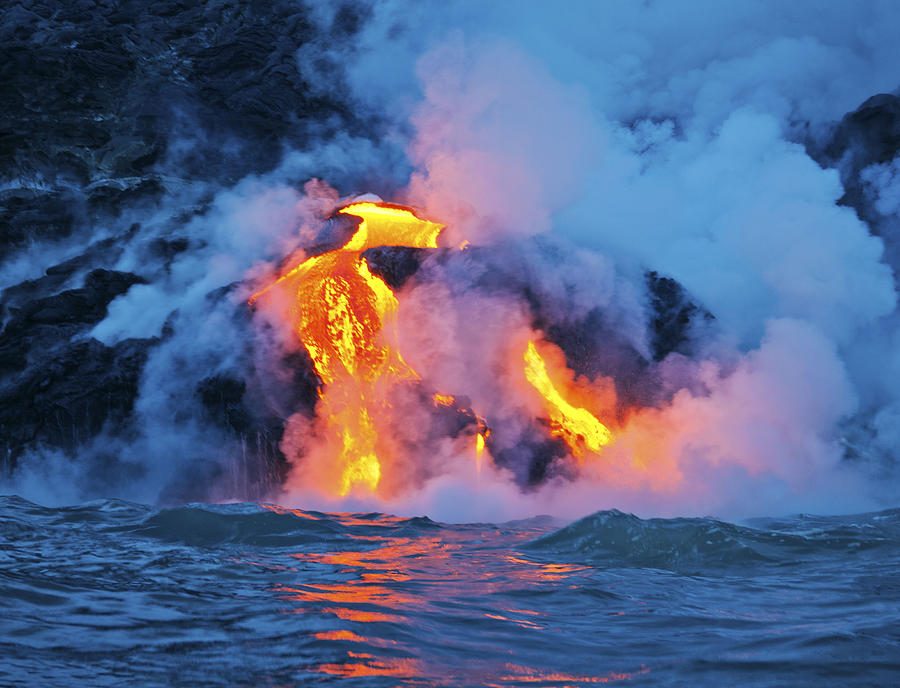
66 399
99 90
222 396
28 216
86 305
57 386
533 459
250 426
106 107
868 135
673 314
394 264
35 326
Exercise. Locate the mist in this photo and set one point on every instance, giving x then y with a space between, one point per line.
577 150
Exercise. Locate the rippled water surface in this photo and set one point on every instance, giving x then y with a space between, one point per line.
113 593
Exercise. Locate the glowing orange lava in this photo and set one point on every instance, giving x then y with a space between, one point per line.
341 313
578 427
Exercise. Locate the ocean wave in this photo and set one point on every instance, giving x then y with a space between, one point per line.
612 538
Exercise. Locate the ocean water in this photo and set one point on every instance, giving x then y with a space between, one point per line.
111 593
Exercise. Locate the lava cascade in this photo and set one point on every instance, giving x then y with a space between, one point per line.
578 427
344 315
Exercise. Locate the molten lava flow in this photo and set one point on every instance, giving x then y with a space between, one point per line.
339 311
443 400
578 427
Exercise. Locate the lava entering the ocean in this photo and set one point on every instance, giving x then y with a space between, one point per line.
578 427
345 317
341 312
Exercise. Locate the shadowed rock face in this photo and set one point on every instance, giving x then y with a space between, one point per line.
673 314
58 387
104 90
66 400
104 105
394 264
105 108
868 135
863 141
36 325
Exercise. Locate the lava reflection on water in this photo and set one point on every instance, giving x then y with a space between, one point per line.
397 602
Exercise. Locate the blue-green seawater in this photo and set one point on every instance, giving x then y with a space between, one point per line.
111 593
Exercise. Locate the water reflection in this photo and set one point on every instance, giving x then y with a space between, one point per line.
407 605
369 665
524 674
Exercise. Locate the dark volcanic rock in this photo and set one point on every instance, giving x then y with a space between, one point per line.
222 396
54 389
56 277
110 89
395 264
224 400
105 108
27 216
673 313
534 459
336 232
861 141
869 135
71 396
85 305
249 407
35 327
303 391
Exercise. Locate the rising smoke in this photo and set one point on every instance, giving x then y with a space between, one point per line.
576 148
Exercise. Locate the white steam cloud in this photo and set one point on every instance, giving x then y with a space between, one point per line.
663 136
671 137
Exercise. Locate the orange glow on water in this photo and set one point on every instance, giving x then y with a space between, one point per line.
524 623
394 667
346 595
283 510
361 616
339 635
364 603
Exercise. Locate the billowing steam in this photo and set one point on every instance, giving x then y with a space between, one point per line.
586 161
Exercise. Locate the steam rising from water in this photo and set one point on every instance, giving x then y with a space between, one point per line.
634 137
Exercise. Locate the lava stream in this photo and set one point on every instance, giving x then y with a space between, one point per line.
340 312
578 427
345 317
